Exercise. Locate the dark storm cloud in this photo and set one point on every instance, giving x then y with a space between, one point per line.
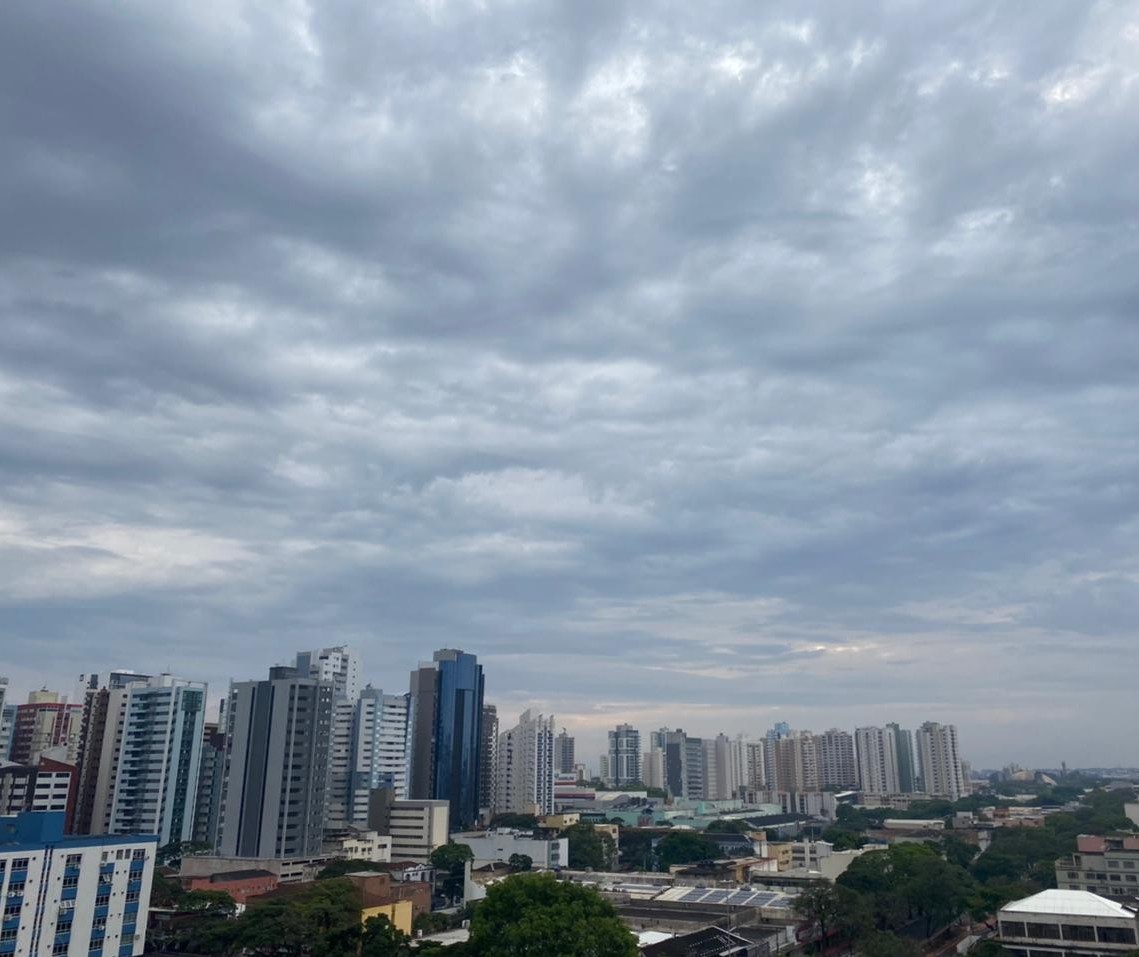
704 365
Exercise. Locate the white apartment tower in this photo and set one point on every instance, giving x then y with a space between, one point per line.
877 756
942 775
339 665
837 765
526 766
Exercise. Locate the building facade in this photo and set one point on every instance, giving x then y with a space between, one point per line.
1067 923
416 827
526 766
488 761
46 723
941 769
445 733
877 756
276 777
624 755
72 896
1108 866
564 757
339 666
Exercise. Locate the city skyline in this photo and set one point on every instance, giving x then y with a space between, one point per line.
749 363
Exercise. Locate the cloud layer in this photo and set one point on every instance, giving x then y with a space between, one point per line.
702 365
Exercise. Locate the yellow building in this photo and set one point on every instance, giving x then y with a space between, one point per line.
398 913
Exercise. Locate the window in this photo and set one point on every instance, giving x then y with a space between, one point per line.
15 888
1012 928
139 854
59 950
1078 932
8 934
67 905
20 864
1116 935
71 882
1073 873
74 860
63 927
1044 931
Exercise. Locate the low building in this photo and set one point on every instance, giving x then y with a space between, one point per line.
1067 923
501 844
1108 866
416 827
288 870
71 896
400 901
240 885
709 942
362 846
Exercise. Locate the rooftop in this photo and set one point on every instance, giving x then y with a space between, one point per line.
1069 903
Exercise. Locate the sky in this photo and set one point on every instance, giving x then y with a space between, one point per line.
700 365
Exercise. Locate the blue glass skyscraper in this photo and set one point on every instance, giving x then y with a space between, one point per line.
445 727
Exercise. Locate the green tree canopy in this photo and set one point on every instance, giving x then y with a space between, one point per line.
589 848
450 858
520 821
520 862
380 938
685 847
535 915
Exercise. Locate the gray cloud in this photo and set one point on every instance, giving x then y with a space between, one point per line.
692 365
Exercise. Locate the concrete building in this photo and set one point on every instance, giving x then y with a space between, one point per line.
339 666
276 766
942 774
1068 923
445 733
7 728
564 760
240 884
624 755
416 827
1108 866
500 844
46 786
796 758
46 723
488 761
211 780
727 772
72 896
652 767
909 767
368 751
837 765
877 755
526 766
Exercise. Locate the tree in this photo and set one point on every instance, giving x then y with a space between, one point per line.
589 848
843 839
381 939
451 858
215 903
882 944
534 915
817 904
343 865
957 851
323 920
526 822
520 862
685 847
728 827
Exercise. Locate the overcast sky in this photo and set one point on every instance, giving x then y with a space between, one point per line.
693 364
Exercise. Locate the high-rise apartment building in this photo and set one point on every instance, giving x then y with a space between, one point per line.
877 755
526 766
756 773
46 786
340 666
276 779
211 780
652 767
445 733
837 765
564 758
140 756
369 751
7 727
47 723
909 769
488 761
72 896
624 756
942 774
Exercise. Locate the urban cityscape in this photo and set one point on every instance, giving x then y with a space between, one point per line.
425 799
569 478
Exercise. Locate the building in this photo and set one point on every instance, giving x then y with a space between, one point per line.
501 844
942 774
278 732
909 770
445 733
46 723
652 767
240 885
488 761
416 827
877 755
1068 923
340 666
564 758
1108 866
46 786
211 780
837 765
72 896
526 766
796 765
624 755
7 728
368 750
153 779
